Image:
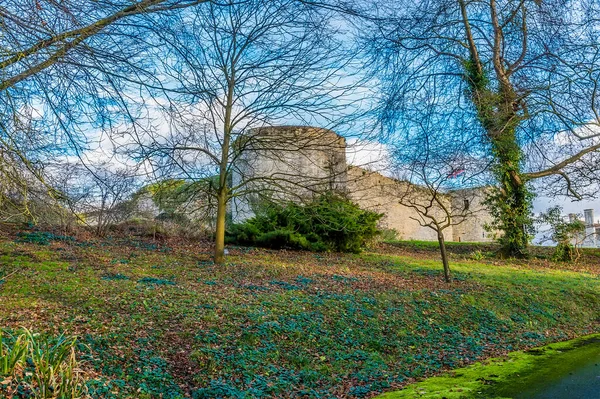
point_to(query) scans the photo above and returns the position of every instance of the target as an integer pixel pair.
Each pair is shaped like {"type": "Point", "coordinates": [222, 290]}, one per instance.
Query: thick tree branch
{"type": "Point", "coordinates": [557, 169]}
{"type": "Point", "coordinates": [77, 36]}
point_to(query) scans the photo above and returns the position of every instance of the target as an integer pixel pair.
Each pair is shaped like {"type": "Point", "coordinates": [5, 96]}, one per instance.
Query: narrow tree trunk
{"type": "Point", "coordinates": [444, 254]}
{"type": "Point", "coordinates": [219, 257]}
{"type": "Point", "coordinates": [222, 193]}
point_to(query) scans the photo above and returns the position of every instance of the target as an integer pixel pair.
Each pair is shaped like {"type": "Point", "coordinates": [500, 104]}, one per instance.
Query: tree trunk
{"type": "Point", "coordinates": [510, 204]}
{"type": "Point", "coordinates": [444, 254]}
{"type": "Point", "coordinates": [222, 193]}
{"type": "Point", "coordinates": [219, 257]}
{"type": "Point", "coordinates": [512, 200]}
{"type": "Point", "coordinates": [514, 204]}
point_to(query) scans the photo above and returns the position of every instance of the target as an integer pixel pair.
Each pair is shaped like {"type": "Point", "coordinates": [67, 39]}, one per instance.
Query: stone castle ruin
{"type": "Point", "coordinates": [592, 230]}
{"type": "Point", "coordinates": [590, 238]}
{"type": "Point", "coordinates": [297, 162]}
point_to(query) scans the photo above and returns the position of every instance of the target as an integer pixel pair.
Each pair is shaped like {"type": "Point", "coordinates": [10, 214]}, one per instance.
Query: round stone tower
{"type": "Point", "coordinates": [286, 163]}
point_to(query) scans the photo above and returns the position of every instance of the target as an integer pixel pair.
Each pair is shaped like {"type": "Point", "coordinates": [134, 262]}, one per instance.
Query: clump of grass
{"type": "Point", "coordinates": [12, 356]}
{"type": "Point", "coordinates": [477, 255]}
{"type": "Point", "coordinates": [45, 368]}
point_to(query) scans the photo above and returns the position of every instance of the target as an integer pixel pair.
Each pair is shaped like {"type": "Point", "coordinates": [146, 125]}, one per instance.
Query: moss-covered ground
{"type": "Point", "coordinates": [519, 373]}
{"type": "Point", "coordinates": [162, 321]}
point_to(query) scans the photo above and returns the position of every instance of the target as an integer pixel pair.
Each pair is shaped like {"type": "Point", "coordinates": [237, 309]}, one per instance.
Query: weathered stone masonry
{"type": "Point", "coordinates": [295, 162]}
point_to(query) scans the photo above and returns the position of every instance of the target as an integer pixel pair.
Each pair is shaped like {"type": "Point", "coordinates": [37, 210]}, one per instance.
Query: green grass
{"type": "Point", "coordinates": [159, 322]}
{"type": "Point", "coordinates": [434, 244]}
{"type": "Point", "coordinates": [498, 377]}
{"type": "Point", "coordinates": [488, 248]}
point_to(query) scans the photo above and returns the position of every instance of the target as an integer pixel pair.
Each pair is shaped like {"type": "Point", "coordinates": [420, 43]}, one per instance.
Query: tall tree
{"type": "Point", "coordinates": [239, 66]}
{"type": "Point", "coordinates": [520, 76]}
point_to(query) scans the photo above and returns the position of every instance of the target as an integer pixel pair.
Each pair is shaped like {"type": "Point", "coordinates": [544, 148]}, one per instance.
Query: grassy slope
{"type": "Point", "coordinates": [165, 321]}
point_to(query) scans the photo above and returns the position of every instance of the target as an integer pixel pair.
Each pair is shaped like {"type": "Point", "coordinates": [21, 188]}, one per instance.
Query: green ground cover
{"type": "Point", "coordinates": [158, 321]}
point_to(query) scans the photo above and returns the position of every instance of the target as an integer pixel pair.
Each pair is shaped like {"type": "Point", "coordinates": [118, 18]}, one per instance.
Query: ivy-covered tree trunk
{"type": "Point", "coordinates": [510, 201]}
{"type": "Point", "coordinates": [500, 110]}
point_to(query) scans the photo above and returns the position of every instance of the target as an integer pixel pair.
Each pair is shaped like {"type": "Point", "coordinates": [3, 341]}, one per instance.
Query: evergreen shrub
{"type": "Point", "coordinates": [330, 222]}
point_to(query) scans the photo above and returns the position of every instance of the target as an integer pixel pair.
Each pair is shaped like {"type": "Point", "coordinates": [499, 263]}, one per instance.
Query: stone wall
{"type": "Point", "coordinates": [297, 162]}
{"type": "Point", "coordinates": [472, 229]}
{"type": "Point", "coordinates": [592, 230]}
{"type": "Point", "coordinates": [287, 163]}
{"type": "Point", "coordinates": [373, 191]}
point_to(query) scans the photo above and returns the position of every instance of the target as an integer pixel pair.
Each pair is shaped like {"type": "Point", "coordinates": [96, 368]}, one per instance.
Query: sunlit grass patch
{"type": "Point", "coordinates": [502, 377]}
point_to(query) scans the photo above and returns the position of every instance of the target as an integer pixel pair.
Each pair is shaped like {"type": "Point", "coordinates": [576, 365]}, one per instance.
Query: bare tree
{"type": "Point", "coordinates": [520, 76]}
{"type": "Point", "coordinates": [99, 195]}
{"type": "Point", "coordinates": [67, 71]}
{"type": "Point", "coordinates": [22, 197]}
{"type": "Point", "coordinates": [437, 179]}
{"type": "Point", "coordinates": [241, 66]}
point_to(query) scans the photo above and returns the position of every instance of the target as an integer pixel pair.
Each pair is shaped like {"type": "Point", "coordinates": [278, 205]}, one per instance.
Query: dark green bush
{"type": "Point", "coordinates": [329, 223]}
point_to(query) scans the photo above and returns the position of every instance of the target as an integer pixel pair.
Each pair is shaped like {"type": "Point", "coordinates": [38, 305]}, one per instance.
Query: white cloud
{"type": "Point", "coordinates": [370, 155]}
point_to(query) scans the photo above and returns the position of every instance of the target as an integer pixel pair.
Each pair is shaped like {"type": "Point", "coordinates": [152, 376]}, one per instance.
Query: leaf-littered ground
{"type": "Point", "coordinates": [162, 321]}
